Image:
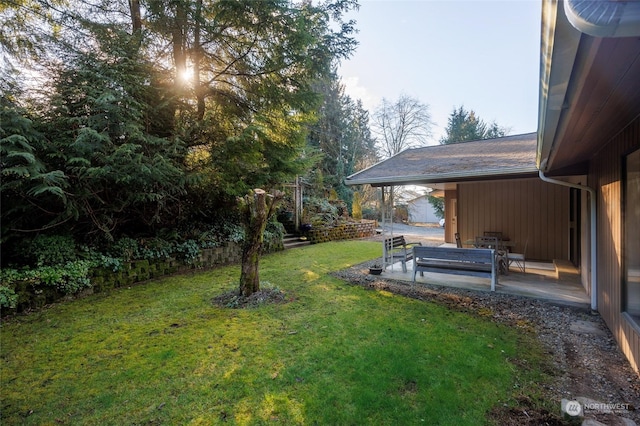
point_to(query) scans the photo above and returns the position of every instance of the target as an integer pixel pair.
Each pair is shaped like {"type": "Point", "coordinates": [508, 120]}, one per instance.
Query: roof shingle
{"type": "Point", "coordinates": [501, 157]}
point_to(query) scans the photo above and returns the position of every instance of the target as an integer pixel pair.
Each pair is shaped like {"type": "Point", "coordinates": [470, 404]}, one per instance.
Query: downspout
{"type": "Point", "coordinates": [592, 196]}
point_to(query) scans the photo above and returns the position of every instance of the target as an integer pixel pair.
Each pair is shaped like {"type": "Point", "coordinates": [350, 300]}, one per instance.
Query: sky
{"type": "Point", "coordinates": [480, 54]}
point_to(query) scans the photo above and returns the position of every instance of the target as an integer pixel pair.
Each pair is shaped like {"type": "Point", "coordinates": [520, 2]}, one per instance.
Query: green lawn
{"type": "Point", "coordinates": [161, 353]}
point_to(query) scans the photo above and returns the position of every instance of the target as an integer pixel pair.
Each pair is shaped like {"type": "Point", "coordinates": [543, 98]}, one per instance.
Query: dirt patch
{"type": "Point", "coordinates": [232, 299]}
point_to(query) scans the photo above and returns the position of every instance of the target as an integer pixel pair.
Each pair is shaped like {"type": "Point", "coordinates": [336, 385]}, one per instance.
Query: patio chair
{"type": "Point", "coordinates": [486, 242]}
{"type": "Point", "coordinates": [501, 255]}
{"type": "Point", "coordinates": [519, 258]}
{"type": "Point", "coordinates": [498, 235]}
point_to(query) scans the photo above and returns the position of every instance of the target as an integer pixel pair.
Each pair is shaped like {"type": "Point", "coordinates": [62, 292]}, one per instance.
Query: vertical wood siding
{"type": "Point", "coordinates": [524, 209]}
{"type": "Point", "coordinates": [606, 178]}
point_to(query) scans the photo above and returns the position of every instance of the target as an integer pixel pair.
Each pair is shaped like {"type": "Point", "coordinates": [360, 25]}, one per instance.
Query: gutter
{"type": "Point", "coordinates": [440, 177]}
{"type": "Point", "coordinates": [604, 18]}
{"type": "Point", "coordinates": [594, 265]}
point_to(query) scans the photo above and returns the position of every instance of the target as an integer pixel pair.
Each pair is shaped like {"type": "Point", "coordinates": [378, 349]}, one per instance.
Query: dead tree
{"type": "Point", "coordinates": [256, 208]}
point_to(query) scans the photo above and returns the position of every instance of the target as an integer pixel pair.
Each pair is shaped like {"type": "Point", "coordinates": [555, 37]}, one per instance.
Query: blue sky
{"type": "Point", "coordinates": [482, 54]}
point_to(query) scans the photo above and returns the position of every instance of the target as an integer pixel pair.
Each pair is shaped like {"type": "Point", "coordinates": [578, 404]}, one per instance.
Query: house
{"type": "Point", "coordinates": [421, 211]}
{"type": "Point", "coordinates": [589, 133]}
{"type": "Point", "coordinates": [488, 185]}
{"type": "Point", "coordinates": [570, 191]}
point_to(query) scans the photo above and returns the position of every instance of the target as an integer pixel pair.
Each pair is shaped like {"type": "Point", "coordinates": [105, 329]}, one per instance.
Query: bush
{"type": "Point", "coordinates": [187, 251]}
{"type": "Point", "coordinates": [125, 248]}
{"type": "Point", "coordinates": [356, 212]}
{"type": "Point", "coordinates": [273, 235]}
{"type": "Point", "coordinates": [48, 250]}
{"type": "Point", "coordinates": [68, 278]}
{"type": "Point", "coordinates": [319, 211]}
{"type": "Point", "coordinates": [438, 205]}
{"type": "Point", "coordinates": [8, 298]}
{"type": "Point", "coordinates": [101, 260]}
{"type": "Point", "coordinates": [370, 213]}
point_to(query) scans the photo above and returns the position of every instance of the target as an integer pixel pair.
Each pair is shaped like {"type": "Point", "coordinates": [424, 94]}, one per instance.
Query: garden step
{"type": "Point", "coordinates": [292, 241]}
{"type": "Point", "coordinates": [566, 271]}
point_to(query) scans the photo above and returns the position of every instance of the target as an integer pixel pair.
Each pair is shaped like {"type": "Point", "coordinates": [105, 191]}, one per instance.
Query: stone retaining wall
{"type": "Point", "coordinates": [35, 296]}
{"type": "Point", "coordinates": [346, 231]}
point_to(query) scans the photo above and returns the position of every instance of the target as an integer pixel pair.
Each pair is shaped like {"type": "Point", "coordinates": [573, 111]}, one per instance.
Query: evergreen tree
{"type": "Point", "coordinates": [250, 99]}
{"type": "Point", "coordinates": [138, 145]}
{"type": "Point", "coordinates": [464, 126]}
{"type": "Point", "coordinates": [32, 195]}
{"type": "Point", "coordinates": [342, 135]}
{"type": "Point", "coordinates": [102, 126]}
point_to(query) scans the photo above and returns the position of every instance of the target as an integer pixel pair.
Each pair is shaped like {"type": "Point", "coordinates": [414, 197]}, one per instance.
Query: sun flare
{"type": "Point", "coordinates": [186, 75]}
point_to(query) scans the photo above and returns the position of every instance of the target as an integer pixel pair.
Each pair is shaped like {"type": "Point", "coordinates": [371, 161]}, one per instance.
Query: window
{"type": "Point", "coordinates": [632, 234]}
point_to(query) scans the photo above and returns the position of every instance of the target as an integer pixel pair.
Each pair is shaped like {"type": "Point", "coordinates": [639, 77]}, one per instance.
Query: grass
{"type": "Point", "coordinates": [161, 353]}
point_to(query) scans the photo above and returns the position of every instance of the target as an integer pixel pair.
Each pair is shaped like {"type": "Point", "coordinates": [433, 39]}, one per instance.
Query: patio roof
{"type": "Point", "coordinates": [505, 157]}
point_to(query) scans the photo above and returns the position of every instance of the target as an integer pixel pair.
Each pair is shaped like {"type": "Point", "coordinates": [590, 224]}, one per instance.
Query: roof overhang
{"type": "Point", "coordinates": [589, 85]}
{"type": "Point", "coordinates": [451, 177]}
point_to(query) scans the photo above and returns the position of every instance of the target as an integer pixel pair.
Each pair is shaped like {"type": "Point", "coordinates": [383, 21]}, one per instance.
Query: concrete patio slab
{"type": "Point", "coordinates": [540, 282]}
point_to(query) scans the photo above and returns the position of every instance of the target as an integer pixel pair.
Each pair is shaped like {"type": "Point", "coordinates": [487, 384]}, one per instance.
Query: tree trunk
{"type": "Point", "coordinates": [179, 44]}
{"type": "Point", "coordinates": [256, 207]}
{"type": "Point", "coordinates": [197, 57]}
{"type": "Point", "coordinates": [136, 17]}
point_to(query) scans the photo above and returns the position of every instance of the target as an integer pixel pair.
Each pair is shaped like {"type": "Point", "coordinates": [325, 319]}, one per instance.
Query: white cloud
{"type": "Point", "coordinates": [353, 88]}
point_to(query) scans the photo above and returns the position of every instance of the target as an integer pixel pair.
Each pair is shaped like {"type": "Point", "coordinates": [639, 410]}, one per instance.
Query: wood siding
{"type": "Point", "coordinates": [606, 178]}
{"type": "Point", "coordinates": [524, 210]}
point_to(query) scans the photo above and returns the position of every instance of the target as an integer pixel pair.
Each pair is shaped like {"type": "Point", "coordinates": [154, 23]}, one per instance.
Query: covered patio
{"type": "Point", "coordinates": [492, 187]}
{"type": "Point", "coordinates": [557, 282]}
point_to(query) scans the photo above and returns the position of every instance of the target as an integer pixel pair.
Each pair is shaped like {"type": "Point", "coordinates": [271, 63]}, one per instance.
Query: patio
{"type": "Point", "coordinates": [541, 281]}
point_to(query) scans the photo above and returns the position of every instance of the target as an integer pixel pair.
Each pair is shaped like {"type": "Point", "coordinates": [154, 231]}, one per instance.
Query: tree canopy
{"type": "Point", "coordinates": [341, 135]}
{"type": "Point", "coordinates": [464, 125]}
{"type": "Point", "coordinates": [132, 116]}
{"type": "Point", "coordinates": [401, 124]}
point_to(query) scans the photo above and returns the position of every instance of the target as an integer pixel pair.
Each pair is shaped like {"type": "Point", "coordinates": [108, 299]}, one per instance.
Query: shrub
{"type": "Point", "coordinates": [438, 205]}
{"type": "Point", "coordinates": [321, 212]}
{"type": "Point", "coordinates": [356, 212]}
{"type": "Point", "coordinates": [187, 251]}
{"type": "Point", "coordinates": [48, 250]}
{"type": "Point", "coordinates": [101, 260]}
{"type": "Point", "coordinates": [8, 297]}
{"type": "Point", "coordinates": [68, 278]}
{"type": "Point", "coordinates": [370, 213]}
{"type": "Point", "coordinates": [125, 248]}
{"type": "Point", "coordinates": [154, 249]}
{"type": "Point", "coordinates": [273, 235]}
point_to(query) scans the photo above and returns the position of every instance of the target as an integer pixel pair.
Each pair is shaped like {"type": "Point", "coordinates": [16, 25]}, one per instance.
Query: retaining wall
{"type": "Point", "coordinates": [346, 231]}
{"type": "Point", "coordinates": [36, 295]}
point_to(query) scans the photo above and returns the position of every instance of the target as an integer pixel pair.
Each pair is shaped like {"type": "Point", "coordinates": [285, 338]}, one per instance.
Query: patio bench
{"type": "Point", "coordinates": [397, 249]}
{"type": "Point", "coordinates": [458, 261]}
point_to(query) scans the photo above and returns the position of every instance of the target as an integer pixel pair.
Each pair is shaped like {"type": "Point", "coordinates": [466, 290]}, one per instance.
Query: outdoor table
{"type": "Point", "coordinates": [502, 243]}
